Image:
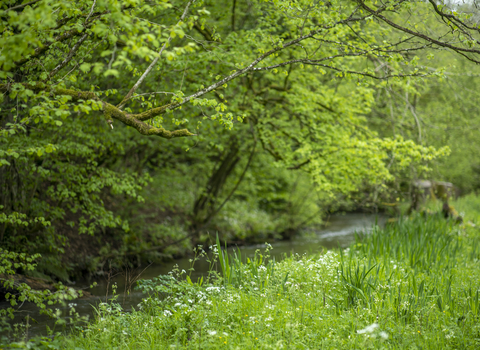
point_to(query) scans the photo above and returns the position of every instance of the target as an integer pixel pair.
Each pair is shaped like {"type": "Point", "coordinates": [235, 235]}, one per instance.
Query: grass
{"type": "Point", "coordinates": [411, 285]}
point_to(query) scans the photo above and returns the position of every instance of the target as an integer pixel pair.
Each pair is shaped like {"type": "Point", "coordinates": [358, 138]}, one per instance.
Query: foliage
{"type": "Point", "coordinates": [16, 293]}
{"type": "Point", "coordinates": [267, 88]}
{"type": "Point", "coordinates": [437, 112]}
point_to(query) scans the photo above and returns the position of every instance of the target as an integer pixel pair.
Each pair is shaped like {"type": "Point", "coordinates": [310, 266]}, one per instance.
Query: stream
{"type": "Point", "coordinates": [339, 232]}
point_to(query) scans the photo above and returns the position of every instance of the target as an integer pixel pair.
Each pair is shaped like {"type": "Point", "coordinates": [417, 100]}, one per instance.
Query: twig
{"type": "Point", "coordinates": [154, 62]}
{"type": "Point", "coordinates": [91, 11]}
{"type": "Point", "coordinates": [69, 57]}
{"type": "Point", "coordinates": [457, 49]}
{"type": "Point", "coordinates": [22, 5]}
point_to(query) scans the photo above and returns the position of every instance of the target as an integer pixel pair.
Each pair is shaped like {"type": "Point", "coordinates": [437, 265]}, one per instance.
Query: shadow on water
{"type": "Point", "coordinates": [340, 232]}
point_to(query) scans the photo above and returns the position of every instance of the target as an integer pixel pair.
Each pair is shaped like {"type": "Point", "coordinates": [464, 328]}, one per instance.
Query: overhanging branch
{"type": "Point", "coordinates": [110, 111]}
{"type": "Point", "coordinates": [154, 62]}
{"type": "Point", "coordinates": [461, 50]}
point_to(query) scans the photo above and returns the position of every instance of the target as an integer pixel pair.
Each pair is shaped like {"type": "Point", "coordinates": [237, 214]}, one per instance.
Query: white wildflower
{"type": "Point", "coordinates": [167, 313]}
{"type": "Point", "coordinates": [368, 329]}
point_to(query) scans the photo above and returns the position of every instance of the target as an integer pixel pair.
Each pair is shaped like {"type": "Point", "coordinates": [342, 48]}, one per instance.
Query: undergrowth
{"type": "Point", "coordinates": [411, 285]}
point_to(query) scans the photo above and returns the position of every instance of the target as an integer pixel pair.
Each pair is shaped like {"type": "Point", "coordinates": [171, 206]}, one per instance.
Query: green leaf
{"type": "Point", "coordinates": [113, 72]}
{"type": "Point", "coordinates": [85, 67]}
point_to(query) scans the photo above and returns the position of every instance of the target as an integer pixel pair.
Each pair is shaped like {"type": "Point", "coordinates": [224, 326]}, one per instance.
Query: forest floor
{"type": "Point", "coordinates": [413, 284]}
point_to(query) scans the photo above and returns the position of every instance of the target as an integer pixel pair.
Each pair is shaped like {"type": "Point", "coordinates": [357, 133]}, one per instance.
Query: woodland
{"type": "Point", "coordinates": [132, 131]}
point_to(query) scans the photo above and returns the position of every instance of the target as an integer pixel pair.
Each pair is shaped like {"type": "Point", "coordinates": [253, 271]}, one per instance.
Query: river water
{"type": "Point", "coordinates": [339, 232]}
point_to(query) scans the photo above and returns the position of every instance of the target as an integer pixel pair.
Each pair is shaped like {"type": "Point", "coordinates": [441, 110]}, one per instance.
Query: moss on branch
{"type": "Point", "coordinates": [152, 113]}
{"type": "Point", "coordinates": [76, 95]}
{"type": "Point", "coordinates": [111, 112]}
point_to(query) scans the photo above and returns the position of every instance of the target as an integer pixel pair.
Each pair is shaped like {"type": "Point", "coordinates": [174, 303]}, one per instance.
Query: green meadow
{"type": "Point", "coordinates": [413, 284]}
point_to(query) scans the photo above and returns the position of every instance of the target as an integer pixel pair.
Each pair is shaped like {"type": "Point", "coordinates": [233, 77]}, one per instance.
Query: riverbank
{"type": "Point", "coordinates": [340, 232]}
{"type": "Point", "coordinates": [413, 284]}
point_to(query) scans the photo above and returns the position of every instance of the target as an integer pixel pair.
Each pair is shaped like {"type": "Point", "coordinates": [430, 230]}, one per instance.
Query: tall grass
{"type": "Point", "coordinates": [235, 272]}
{"type": "Point", "coordinates": [428, 254]}
{"type": "Point", "coordinates": [411, 285]}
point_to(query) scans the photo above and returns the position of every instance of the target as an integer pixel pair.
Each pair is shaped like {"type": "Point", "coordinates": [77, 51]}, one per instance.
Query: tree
{"type": "Point", "coordinates": [26, 39]}
{"type": "Point", "coordinates": [293, 79]}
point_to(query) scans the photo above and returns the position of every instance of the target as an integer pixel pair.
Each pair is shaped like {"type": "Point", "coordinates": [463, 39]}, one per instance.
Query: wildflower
{"type": "Point", "coordinates": [368, 329]}
{"type": "Point", "coordinates": [384, 335]}
{"type": "Point", "coordinates": [212, 332]}
{"type": "Point", "coordinates": [167, 313]}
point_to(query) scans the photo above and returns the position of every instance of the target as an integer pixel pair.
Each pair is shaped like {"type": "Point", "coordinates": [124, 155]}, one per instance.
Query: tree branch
{"type": "Point", "coordinates": [109, 110]}
{"type": "Point", "coordinates": [452, 18]}
{"type": "Point", "coordinates": [250, 67]}
{"type": "Point", "coordinates": [69, 57]}
{"type": "Point", "coordinates": [22, 5]}
{"type": "Point", "coordinates": [458, 49]}
{"type": "Point", "coordinates": [205, 32]}
{"type": "Point", "coordinates": [365, 74]}
{"type": "Point", "coordinates": [154, 62]}
{"type": "Point", "coordinates": [60, 38]}
{"type": "Point", "coordinates": [91, 11]}
{"type": "Point", "coordinates": [298, 166]}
